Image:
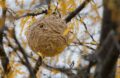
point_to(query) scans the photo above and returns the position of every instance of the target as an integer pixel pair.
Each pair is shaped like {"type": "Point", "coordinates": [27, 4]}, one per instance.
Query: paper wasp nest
{"type": "Point", "coordinates": [46, 36]}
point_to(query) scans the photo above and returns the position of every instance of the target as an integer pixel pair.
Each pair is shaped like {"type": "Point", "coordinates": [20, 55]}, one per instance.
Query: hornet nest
{"type": "Point", "coordinates": [46, 36]}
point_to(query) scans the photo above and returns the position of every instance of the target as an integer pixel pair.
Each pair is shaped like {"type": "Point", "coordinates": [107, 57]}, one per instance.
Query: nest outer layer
{"type": "Point", "coordinates": [46, 36]}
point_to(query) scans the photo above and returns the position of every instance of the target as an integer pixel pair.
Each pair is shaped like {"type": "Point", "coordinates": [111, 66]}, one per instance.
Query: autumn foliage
{"type": "Point", "coordinates": [80, 36]}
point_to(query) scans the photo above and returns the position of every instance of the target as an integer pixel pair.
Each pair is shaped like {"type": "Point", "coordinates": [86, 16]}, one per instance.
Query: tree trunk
{"type": "Point", "coordinates": [108, 52]}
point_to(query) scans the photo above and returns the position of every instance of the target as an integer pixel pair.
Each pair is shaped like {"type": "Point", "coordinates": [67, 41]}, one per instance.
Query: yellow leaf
{"type": "Point", "coordinates": [72, 36]}
{"type": "Point", "coordinates": [10, 34]}
{"type": "Point", "coordinates": [24, 43]}
{"type": "Point", "coordinates": [17, 64]}
{"type": "Point", "coordinates": [93, 42]}
{"type": "Point", "coordinates": [62, 7]}
{"type": "Point", "coordinates": [118, 69]}
{"type": "Point", "coordinates": [33, 19]}
{"type": "Point", "coordinates": [95, 8]}
{"type": "Point", "coordinates": [66, 31]}
{"type": "Point", "coordinates": [19, 72]}
{"type": "Point", "coordinates": [23, 21]}
{"type": "Point", "coordinates": [1, 22]}
{"type": "Point", "coordinates": [21, 12]}
{"type": "Point", "coordinates": [2, 3]}
{"type": "Point", "coordinates": [55, 71]}
{"type": "Point", "coordinates": [72, 5]}
{"type": "Point", "coordinates": [11, 74]}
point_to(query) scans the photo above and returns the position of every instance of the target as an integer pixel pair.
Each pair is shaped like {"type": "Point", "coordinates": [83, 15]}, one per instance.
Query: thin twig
{"type": "Point", "coordinates": [80, 43]}
{"type": "Point", "coordinates": [32, 14]}
{"type": "Point", "coordinates": [76, 11]}
{"type": "Point", "coordinates": [25, 15]}
{"type": "Point", "coordinates": [85, 26]}
{"type": "Point", "coordinates": [38, 64]}
{"type": "Point", "coordinates": [27, 63]}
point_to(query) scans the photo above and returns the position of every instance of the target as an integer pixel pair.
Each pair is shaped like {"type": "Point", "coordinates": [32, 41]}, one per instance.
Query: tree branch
{"type": "Point", "coordinates": [108, 52]}
{"type": "Point", "coordinates": [38, 64]}
{"type": "Point", "coordinates": [3, 56]}
{"type": "Point", "coordinates": [76, 11]}
{"type": "Point", "coordinates": [27, 63]}
{"type": "Point", "coordinates": [32, 14]}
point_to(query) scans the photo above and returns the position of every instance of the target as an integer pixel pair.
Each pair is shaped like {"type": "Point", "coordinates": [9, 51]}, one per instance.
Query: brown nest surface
{"type": "Point", "coordinates": [46, 36]}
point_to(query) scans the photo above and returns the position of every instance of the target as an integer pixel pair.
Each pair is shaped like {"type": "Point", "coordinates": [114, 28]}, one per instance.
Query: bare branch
{"type": "Point", "coordinates": [3, 56]}
{"type": "Point", "coordinates": [76, 11]}
{"type": "Point", "coordinates": [38, 64]}
{"type": "Point", "coordinates": [32, 14]}
{"type": "Point", "coordinates": [85, 26]}
{"type": "Point", "coordinates": [25, 15]}
{"type": "Point", "coordinates": [27, 63]}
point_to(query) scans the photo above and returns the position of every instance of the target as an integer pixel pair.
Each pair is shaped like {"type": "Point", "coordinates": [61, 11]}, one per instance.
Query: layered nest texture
{"type": "Point", "coordinates": [46, 36]}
